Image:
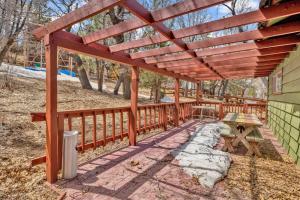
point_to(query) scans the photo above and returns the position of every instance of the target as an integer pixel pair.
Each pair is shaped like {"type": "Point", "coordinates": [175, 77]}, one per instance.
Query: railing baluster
{"type": "Point", "coordinates": [82, 131]}
{"type": "Point", "coordinates": [139, 120]}
{"type": "Point", "coordinates": [145, 119]}
{"type": "Point", "coordinates": [154, 117]}
{"type": "Point", "coordinates": [70, 122]}
{"type": "Point", "coordinates": [60, 127]}
{"type": "Point", "coordinates": [159, 116]}
{"type": "Point", "coordinates": [128, 123]}
{"type": "Point", "coordinates": [150, 118]}
{"type": "Point", "coordinates": [165, 117]}
{"type": "Point", "coordinates": [104, 128]}
{"type": "Point", "coordinates": [94, 129]}
{"type": "Point", "coordinates": [113, 126]}
{"type": "Point", "coordinates": [121, 124]}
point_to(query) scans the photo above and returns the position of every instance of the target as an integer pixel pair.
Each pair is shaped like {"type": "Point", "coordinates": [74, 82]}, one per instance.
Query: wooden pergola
{"type": "Point", "coordinates": [248, 54]}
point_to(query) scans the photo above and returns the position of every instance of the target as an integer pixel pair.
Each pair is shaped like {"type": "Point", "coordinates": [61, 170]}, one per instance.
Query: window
{"type": "Point", "coordinates": [277, 82]}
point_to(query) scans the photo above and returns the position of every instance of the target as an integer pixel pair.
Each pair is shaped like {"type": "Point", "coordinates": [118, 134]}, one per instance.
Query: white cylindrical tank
{"type": "Point", "coordinates": [69, 162]}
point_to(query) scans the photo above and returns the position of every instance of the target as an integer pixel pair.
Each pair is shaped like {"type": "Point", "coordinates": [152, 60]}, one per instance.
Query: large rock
{"type": "Point", "coordinates": [198, 158]}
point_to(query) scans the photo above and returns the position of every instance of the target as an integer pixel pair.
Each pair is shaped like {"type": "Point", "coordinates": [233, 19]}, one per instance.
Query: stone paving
{"type": "Point", "coordinates": [146, 171]}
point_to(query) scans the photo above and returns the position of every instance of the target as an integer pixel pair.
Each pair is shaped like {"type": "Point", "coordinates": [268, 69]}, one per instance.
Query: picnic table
{"type": "Point", "coordinates": [242, 125]}
{"type": "Point", "coordinates": [209, 108]}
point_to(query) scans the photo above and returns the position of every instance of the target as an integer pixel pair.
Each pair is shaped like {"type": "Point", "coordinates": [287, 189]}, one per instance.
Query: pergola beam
{"type": "Point", "coordinates": [90, 9]}
{"type": "Point", "coordinates": [74, 43]}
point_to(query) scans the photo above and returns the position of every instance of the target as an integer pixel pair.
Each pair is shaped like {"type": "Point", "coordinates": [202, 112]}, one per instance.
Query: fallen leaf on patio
{"type": "Point", "coordinates": [134, 163]}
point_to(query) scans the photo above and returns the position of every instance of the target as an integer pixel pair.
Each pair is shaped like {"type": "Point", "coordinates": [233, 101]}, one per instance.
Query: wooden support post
{"type": "Point", "coordinates": [177, 102]}
{"type": "Point", "coordinates": [41, 56]}
{"type": "Point", "coordinates": [133, 111]}
{"type": "Point", "coordinates": [198, 91]}
{"type": "Point", "coordinates": [165, 117]}
{"type": "Point", "coordinates": [221, 111]}
{"type": "Point", "coordinates": [51, 109]}
{"type": "Point", "coordinates": [245, 108]}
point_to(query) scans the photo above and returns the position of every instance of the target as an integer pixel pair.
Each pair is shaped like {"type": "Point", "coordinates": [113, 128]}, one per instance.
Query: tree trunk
{"type": "Point", "coordinates": [213, 85]}
{"type": "Point", "coordinates": [186, 90]}
{"type": "Point", "coordinates": [151, 92]}
{"type": "Point", "coordinates": [157, 91]}
{"type": "Point", "coordinates": [124, 76]}
{"type": "Point", "coordinates": [126, 86]}
{"type": "Point", "coordinates": [220, 88]}
{"type": "Point", "coordinates": [119, 81]}
{"type": "Point", "coordinates": [100, 74]}
{"type": "Point", "coordinates": [5, 48]}
{"type": "Point", "coordinates": [85, 83]}
{"type": "Point", "coordinates": [225, 85]}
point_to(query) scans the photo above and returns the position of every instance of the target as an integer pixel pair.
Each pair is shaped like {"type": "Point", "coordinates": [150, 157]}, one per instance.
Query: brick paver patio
{"type": "Point", "coordinates": [146, 171]}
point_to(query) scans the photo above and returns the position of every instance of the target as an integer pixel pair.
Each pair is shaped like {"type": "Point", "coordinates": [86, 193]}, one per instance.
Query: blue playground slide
{"type": "Point", "coordinates": [60, 71]}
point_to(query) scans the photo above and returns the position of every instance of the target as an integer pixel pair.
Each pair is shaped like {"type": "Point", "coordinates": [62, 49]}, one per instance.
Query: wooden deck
{"type": "Point", "coordinates": [146, 171]}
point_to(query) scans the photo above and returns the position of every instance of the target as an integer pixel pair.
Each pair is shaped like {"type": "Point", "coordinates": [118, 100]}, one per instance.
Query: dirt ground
{"type": "Point", "coordinates": [22, 140]}
{"type": "Point", "coordinates": [271, 177]}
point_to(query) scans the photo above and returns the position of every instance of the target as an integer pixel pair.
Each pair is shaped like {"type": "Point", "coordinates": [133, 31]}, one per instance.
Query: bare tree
{"type": "Point", "coordinates": [14, 15]}
{"type": "Point", "coordinates": [100, 65]}
{"type": "Point", "coordinates": [235, 7]}
{"type": "Point", "coordinates": [57, 8]}
{"type": "Point", "coordinates": [118, 15]}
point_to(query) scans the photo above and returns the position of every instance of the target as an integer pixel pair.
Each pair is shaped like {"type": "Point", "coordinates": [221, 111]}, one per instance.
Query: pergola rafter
{"type": "Point", "coordinates": [232, 56]}
{"type": "Point", "coordinates": [138, 10]}
{"type": "Point", "coordinates": [259, 45]}
{"type": "Point", "coordinates": [281, 10]}
{"type": "Point", "coordinates": [157, 16]}
{"type": "Point", "coordinates": [206, 58]}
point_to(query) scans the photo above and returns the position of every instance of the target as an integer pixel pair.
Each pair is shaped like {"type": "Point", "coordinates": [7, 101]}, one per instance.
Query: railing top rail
{"type": "Point", "coordinates": [40, 116]}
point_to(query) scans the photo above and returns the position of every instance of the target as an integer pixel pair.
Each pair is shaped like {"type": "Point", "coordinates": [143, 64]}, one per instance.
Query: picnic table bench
{"type": "Point", "coordinates": [244, 128]}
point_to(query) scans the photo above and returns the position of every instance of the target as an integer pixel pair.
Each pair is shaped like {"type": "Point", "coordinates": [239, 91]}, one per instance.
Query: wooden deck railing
{"type": "Point", "coordinates": [97, 127]}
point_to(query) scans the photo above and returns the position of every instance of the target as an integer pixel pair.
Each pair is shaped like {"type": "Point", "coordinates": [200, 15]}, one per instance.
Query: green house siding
{"type": "Point", "coordinates": [284, 108]}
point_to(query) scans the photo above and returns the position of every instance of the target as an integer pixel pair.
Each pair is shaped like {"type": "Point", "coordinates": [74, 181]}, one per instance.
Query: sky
{"type": "Point", "coordinates": [213, 13]}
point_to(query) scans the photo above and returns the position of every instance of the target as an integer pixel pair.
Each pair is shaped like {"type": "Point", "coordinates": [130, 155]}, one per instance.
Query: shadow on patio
{"type": "Point", "coordinates": [147, 171]}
